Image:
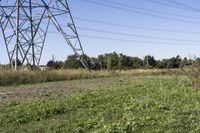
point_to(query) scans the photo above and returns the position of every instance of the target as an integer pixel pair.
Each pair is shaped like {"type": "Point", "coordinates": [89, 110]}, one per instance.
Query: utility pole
{"type": "Point", "coordinates": [148, 61]}
{"type": "Point", "coordinates": [53, 59]}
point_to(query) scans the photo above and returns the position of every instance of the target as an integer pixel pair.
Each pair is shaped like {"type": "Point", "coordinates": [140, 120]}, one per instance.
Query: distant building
{"type": "Point", "coordinates": [43, 67]}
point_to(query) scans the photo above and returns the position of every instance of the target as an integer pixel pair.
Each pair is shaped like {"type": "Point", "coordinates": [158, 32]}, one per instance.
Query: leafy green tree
{"type": "Point", "coordinates": [171, 63]}
{"type": "Point", "coordinates": [122, 64]}
{"type": "Point", "coordinates": [174, 62]}
{"type": "Point", "coordinates": [149, 61]}
{"type": "Point", "coordinates": [162, 63]}
{"type": "Point", "coordinates": [72, 62]}
{"type": "Point", "coordinates": [58, 65]}
{"type": "Point", "coordinates": [197, 60]}
{"type": "Point", "coordinates": [125, 62]}
{"type": "Point", "coordinates": [50, 64]}
{"type": "Point", "coordinates": [19, 63]}
{"type": "Point", "coordinates": [87, 61]}
{"type": "Point", "coordinates": [137, 62]}
{"type": "Point", "coordinates": [112, 61]}
{"type": "Point", "coordinates": [185, 62]}
{"type": "Point", "coordinates": [95, 65]}
{"type": "Point", "coordinates": [178, 61]}
{"type": "Point", "coordinates": [55, 64]}
{"type": "Point", "coordinates": [102, 62]}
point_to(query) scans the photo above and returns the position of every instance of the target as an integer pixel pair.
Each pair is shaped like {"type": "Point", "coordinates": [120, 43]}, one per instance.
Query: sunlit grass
{"type": "Point", "coordinates": [8, 78]}
{"type": "Point", "coordinates": [125, 104]}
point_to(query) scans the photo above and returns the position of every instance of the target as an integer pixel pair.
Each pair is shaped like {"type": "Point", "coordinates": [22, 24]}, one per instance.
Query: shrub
{"type": "Point", "coordinates": [193, 73]}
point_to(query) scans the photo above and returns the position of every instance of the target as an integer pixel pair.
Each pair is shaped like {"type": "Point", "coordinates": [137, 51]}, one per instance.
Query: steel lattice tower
{"type": "Point", "coordinates": [25, 24]}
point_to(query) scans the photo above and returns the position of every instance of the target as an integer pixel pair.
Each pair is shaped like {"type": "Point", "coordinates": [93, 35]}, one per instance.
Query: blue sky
{"type": "Point", "coordinates": [55, 44]}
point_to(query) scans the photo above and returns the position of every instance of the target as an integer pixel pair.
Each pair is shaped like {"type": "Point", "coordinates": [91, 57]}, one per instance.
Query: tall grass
{"type": "Point", "coordinates": [8, 78]}
{"type": "Point", "coordinates": [193, 73]}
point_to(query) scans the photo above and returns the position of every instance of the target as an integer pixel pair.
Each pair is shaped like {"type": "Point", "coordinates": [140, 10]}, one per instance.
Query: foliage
{"type": "Point", "coordinates": [174, 62]}
{"type": "Point", "coordinates": [55, 64]}
{"type": "Point", "coordinates": [193, 72]}
{"type": "Point", "coordinates": [114, 61]}
{"type": "Point", "coordinates": [125, 62]}
{"type": "Point", "coordinates": [19, 63]}
{"type": "Point", "coordinates": [137, 62]}
{"type": "Point", "coordinates": [102, 62]}
{"type": "Point", "coordinates": [186, 62]}
{"type": "Point", "coordinates": [162, 64]}
{"type": "Point", "coordinates": [149, 61]}
{"type": "Point", "coordinates": [95, 65]}
{"type": "Point", "coordinates": [72, 62]}
{"type": "Point", "coordinates": [50, 64]}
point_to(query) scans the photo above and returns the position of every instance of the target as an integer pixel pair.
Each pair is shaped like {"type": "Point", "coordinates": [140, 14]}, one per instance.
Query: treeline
{"type": "Point", "coordinates": [114, 61]}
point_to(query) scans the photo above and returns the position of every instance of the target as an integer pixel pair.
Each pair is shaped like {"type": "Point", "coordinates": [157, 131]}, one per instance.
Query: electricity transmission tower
{"type": "Point", "coordinates": [25, 24]}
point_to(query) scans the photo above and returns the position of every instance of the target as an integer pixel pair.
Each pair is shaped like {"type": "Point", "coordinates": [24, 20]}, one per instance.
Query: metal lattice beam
{"type": "Point", "coordinates": [25, 24]}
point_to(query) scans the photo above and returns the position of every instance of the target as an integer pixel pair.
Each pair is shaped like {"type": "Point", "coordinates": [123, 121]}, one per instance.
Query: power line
{"type": "Point", "coordinates": [184, 6]}
{"type": "Point", "coordinates": [171, 5]}
{"type": "Point", "coordinates": [134, 27]}
{"type": "Point", "coordinates": [139, 12]}
{"type": "Point", "coordinates": [136, 41]}
{"type": "Point", "coordinates": [148, 10]}
{"type": "Point", "coordinates": [137, 35]}
{"type": "Point", "coordinates": [132, 41]}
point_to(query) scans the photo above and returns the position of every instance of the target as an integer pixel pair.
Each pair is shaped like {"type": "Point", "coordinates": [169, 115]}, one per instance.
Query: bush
{"type": "Point", "coordinates": [193, 73]}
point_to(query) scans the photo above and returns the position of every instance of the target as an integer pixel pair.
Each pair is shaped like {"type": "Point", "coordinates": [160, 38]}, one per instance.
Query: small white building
{"type": "Point", "coordinates": [43, 67]}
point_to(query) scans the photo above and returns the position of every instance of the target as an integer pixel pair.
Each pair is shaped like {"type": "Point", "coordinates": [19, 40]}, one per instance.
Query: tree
{"type": "Point", "coordinates": [161, 63]}
{"type": "Point", "coordinates": [19, 63]}
{"type": "Point", "coordinates": [178, 61]}
{"type": "Point", "coordinates": [137, 62]}
{"type": "Point", "coordinates": [95, 65]}
{"type": "Point", "coordinates": [72, 62]}
{"type": "Point", "coordinates": [149, 61]}
{"type": "Point", "coordinates": [125, 62]}
{"type": "Point", "coordinates": [185, 62]}
{"type": "Point", "coordinates": [50, 64]}
{"type": "Point", "coordinates": [87, 61]}
{"type": "Point", "coordinates": [112, 61]}
{"type": "Point", "coordinates": [58, 65]}
{"type": "Point", "coordinates": [174, 62]}
{"type": "Point", "coordinates": [102, 62]}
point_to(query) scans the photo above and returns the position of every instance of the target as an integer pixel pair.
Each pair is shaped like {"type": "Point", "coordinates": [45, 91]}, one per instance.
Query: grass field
{"type": "Point", "coordinates": [126, 103]}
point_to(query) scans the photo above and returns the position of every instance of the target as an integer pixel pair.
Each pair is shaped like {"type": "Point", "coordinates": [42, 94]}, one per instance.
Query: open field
{"type": "Point", "coordinates": [126, 103]}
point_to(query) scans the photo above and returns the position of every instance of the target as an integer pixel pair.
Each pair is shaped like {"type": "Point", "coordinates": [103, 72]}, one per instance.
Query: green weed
{"type": "Point", "coordinates": [143, 104]}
